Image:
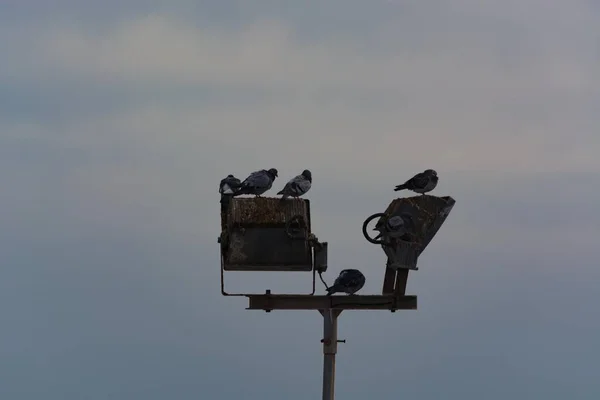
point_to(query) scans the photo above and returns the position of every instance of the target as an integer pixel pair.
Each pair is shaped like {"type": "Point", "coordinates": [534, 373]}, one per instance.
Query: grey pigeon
{"type": "Point", "coordinates": [349, 281]}
{"type": "Point", "coordinates": [228, 187]}
{"type": "Point", "coordinates": [422, 182]}
{"type": "Point", "coordinates": [258, 182]}
{"type": "Point", "coordinates": [297, 186]}
{"type": "Point", "coordinates": [398, 226]}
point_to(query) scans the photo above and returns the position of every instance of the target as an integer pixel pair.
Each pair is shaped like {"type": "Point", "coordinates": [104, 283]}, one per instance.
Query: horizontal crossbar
{"type": "Point", "coordinates": [269, 302]}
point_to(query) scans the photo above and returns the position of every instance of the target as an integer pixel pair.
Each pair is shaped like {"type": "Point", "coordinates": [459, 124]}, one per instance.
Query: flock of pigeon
{"type": "Point", "coordinates": [260, 181]}
{"type": "Point", "coordinates": [257, 183]}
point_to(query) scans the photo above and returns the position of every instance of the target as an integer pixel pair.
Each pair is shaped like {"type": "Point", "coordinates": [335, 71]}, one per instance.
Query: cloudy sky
{"type": "Point", "coordinates": [118, 118]}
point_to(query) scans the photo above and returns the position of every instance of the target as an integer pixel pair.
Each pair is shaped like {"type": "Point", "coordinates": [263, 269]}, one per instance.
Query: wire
{"type": "Point", "coordinates": [322, 280]}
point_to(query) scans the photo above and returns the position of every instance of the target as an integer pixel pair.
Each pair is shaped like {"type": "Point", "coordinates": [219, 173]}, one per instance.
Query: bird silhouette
{"type": "Point", "coordinates": [422, 182]}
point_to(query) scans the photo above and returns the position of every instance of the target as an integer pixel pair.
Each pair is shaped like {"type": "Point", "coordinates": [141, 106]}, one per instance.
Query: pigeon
{"type": "Point", "coordinates": [258, 182]}
{"type": "Point", "coordinates": [297, 186]}
{"type": "Point", "coordinates": [422, 182]}
{"type": "Point", "coordinates": [349, 281]}
{"type": "Point", "coordinates": [397, 226]}
{"type": "Point", "coordinates": [228, 187]}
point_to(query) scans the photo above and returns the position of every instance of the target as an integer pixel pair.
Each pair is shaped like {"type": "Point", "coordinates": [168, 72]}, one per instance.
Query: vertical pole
{"type": "Point", "coordinates": [330, 342]}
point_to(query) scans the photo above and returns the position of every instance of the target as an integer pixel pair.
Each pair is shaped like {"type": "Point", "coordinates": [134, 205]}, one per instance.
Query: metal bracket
{"type": "Point", "coordinates": [376, 239]}
{"type": "Point", "coordinates": [393, 245]}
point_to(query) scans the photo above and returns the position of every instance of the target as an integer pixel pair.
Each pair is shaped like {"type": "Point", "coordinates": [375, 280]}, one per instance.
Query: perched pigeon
{"type": "Point", "coordinates": [228, 187]}
{"type": "Point", "coordinates": [349, 281]}
{"type": "Point", "coordinates": [422, 182]}
{"type": "Point", "coordinates": [258, 182]}
{"type": "Point", "coordinates": [297, 186]}
{"type": "Point", "coordinates": [397, 226]}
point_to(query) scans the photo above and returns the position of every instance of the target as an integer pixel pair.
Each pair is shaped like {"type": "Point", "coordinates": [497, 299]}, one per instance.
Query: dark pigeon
{"type": "Point", "coordinates": [349, 281]}
{"type": "Point", "coordinates": [297, 186]}
{"type": "Point", "coordinates": [398, 226]}
{"type": "Point", "coordinates": [258, 182]}
{"type": "Point", "coordinates": [228, 188]}
{"type": "Point", "coordinates": [422, 183]}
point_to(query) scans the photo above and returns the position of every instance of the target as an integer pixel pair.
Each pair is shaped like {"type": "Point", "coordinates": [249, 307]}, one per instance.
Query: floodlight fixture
{"type": "Point", "coordinates": [271, 234]}
{"type": "Point", "coordinates": [405, 229]}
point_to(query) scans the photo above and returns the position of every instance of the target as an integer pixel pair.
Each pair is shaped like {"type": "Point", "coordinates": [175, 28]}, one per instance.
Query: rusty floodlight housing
{"type": "Point", "coordinates": [269, 234]}
{"type": "Point", "coordinates": [407, 226]}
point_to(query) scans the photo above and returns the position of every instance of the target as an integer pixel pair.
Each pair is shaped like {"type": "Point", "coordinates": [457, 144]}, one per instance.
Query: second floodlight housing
{"type": "Point", "coordinates": [407, 226]}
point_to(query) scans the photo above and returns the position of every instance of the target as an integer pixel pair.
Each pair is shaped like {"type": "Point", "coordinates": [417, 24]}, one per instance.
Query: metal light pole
{"type": "Point", "coordinates": [330, 342]}
{"type": "Point", "coordinates": [330, 308]}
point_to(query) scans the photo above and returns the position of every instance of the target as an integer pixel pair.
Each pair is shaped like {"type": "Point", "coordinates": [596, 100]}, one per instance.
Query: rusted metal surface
{"type": "Point", "coordinates": [265, 211]}
{"type": "Point", "coordinates": [266, 249]}
{"type": "Point", "coordinates": [355, 302]}
{"type": "Point", "coordinates": [428, 213]}
{"type": "Point", "coordinates": [256, 235]}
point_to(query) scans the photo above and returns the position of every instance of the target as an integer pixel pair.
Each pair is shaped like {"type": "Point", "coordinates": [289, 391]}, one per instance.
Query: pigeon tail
{"type": "Point", "coordinates": [285, 195]}
{"type": "Point", "coordinates": [331, 290]}
{"type": "Point", "coordinates": [400, 187]}
{"type": "Point", "coordinates": [242, 190]}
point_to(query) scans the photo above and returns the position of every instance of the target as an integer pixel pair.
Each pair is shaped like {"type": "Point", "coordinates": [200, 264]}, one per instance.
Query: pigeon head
{"type": "Point", "coordinates": [230, 176]}
{"type": "Point", "coordinates": [273, 172]}
{"type": "Point", "coordinates": [307, 174]}
{"type": "Point", "coordinates": [431, 172]}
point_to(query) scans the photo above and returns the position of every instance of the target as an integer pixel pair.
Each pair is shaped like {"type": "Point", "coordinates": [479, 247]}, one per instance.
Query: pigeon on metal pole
{"type": "Point", "coordinates": [422, 182]}
{"type": "Point", "coordinates": [349, 281]}
{"type": "Point", "coordinates": [228, 187]}
{"type": "Point", "coordinates": [258, 182]}
{"type": "Point", "coordinates": [297, 186]}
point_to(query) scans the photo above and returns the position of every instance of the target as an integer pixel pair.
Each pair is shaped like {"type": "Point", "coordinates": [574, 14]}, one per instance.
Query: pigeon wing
{"type": "Point", "coordinates": [258, 179]}
{"type": "Point", "coordinates": [296, 186]}
{"type": "Point", "coordinates": [340, 280]}
{"type": "Point", "coordinates": [344, 278]}
{"type": "Point", "coordinates": [350, 279]}
{"type": "Point", "coordinates": [301, 186]}
{"type": "Point", "coordinates": [420, 180]}
{"type": "Point", "coordinates": [353, 281]}
{"type": "Point", "coordinates": [287, 189]}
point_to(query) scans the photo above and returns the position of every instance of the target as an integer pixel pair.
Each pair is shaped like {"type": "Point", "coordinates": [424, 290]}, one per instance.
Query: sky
{"type": "Point", "coordinates": [119, 118]}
